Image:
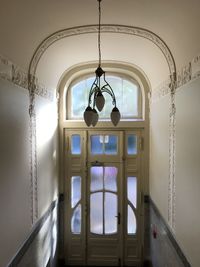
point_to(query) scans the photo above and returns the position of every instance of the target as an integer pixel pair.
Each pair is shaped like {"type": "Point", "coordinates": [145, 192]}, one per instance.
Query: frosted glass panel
{"type": "Point", "coordinates": [75, 190]}
{"type": "Point", "coordinates": [76, 144]}
{"type": "Point", "coordinates": [132, 144]}
{"type": "Point", "coordinates": [96, 213]}
{"type": "Point", "coordinates": [110, 178]}
{"type": "Point", "coordinates": [76, 220]}
{"type": "Point", "coordinates": [132, 190]}
{"type": "Point", "coordinates": [110, 213]}
{"type": "Point", "coordinates": [110, 144]}
{"type": "Point", "coordinates": [96, 178]}
{"type": "Point", "coordinates": [131, 221]}
{"type": "Point", "coordinates": [96, 145]}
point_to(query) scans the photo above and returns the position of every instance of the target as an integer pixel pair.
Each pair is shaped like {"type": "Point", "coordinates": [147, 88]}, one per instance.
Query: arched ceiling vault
{"type": "Point", "coordinates": [133, 45]}
{"type": "Point", "coordinates": [25, 24]}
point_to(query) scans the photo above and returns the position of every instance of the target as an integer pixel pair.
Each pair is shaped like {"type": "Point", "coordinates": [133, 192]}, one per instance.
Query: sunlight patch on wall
{"type": "Point", "coordinates": [46, 123]}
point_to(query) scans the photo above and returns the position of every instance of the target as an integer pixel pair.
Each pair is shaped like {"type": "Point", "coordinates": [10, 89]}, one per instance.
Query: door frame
{"type": "Point", "coordinates": [67, 200]}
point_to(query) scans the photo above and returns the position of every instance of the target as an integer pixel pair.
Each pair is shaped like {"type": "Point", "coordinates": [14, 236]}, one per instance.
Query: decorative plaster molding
{"type": "Point", "coordinates": [121, 29]}
{"type": "Point", "coordinates": [162, 90]}
{"type": "Point", "coordinates": [172, 160]}
{"type": "Point", "coordinates": [33, 150]}
{"type": "Point", "coordinates": [19, 77]}
{"type": "Point", "coordinates": [5, 69]}
{"type": "Point", "coordinates": [43, 91]}
{"type": "Point", "coordinates": [13, 73]}
{"type": "Point", "coordinates": [186, 74]}
{"type": "Point", "coordinates": [195, 67]}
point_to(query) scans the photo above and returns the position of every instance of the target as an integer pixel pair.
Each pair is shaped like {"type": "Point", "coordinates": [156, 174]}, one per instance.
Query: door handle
{"type": "Point", "coordinates": [118, 218]}
{"type": "Point", "coordinates": [97, 163]}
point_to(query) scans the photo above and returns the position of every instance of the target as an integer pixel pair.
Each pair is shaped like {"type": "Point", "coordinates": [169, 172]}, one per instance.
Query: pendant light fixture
{"type": "Point", "coordinates": [96, 99]}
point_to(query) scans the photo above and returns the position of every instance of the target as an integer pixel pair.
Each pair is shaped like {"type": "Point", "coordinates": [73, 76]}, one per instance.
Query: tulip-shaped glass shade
{"type": "Point", "coordinates": [115, 116]}
{"type": "Point", "coordinates": [95, 117]}
{"type": "Point", "coordinates": [88, 116]}
{"type": "Point", "coordinates": [100, 101]}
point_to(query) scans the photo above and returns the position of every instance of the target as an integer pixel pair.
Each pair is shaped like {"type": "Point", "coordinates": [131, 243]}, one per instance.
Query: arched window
{"type": "Point", "coordinates": [127, 92]}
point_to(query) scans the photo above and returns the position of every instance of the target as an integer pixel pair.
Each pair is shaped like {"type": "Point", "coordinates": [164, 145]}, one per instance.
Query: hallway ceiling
{"type": "Point", "coordinates": [24, 24]}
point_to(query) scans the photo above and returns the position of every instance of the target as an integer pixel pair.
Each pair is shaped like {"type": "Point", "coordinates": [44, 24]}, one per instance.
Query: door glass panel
{"type": "Point", "coordinates": [110, 213]}
{"type": "Point", "coordinates": [96, 213]}
{"type": "Point", "coordinates": [132, 144]}
{"type": "Point", "coordinates": [104, 144]}
{"type": "Point", "coordinates": [75, 190]}
{"type": "Point", "coordinates": [131, 222]}
{"type": "Point", "coordinates": [96, 179]}
{"type": "Point", "coordinates": [132, 190]}
{"type": "Point", "coordinates": [110, 179]}
{"type": "Point", "coordinates": [76, 220]}
{"type": "Point", "coordinates": [96, 144]}
{"type": "Point", "coordinates": [76, 144]}
{"type": "Point", "coordinates": [110, 144]}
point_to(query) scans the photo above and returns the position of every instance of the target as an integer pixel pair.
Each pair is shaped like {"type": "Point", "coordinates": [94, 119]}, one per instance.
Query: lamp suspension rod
{"type": "Point", "coordinates": [99, 36]}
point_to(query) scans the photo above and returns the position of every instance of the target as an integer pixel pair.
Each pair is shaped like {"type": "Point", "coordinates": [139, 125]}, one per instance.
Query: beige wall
{"type": "Point", "coordinates": [15, 220]}
{"type": "Point", "coordinates": [188, 170]}
{"type": "Point", "coordinates": [47, 154]}
{"type": "Point", "coordinates": [187, 167]}
{"type": "Point", "coordinates": [159, 153]}
{"type": "Point", "coordinates": [15, 180]}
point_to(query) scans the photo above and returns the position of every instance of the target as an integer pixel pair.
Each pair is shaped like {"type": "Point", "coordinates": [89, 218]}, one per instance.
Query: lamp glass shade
{"type": "Point", "coordinates": [115, 116]}
{"type": "Point", "coordinates": [88, 116]}
{"type": "Point", "coordinates": [100, 101]}
{"type": "Point", "coordinates": [95, 117]}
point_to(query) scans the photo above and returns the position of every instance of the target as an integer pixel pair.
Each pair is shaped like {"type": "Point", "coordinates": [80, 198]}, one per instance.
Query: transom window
{"type": "Point", "coordinates": [127, 93]}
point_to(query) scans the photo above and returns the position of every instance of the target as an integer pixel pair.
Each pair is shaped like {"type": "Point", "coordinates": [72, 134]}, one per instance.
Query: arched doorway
{"type": "Point", "coordinates": [104, 174]}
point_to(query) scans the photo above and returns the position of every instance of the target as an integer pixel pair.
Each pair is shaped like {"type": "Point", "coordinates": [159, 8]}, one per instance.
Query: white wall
{"type": "Point", "coordinates": [15, 220]}
{"type": "Point", "coordinates": [187, 167]}
{"type": "Point", "coordinates": [159, 153]}
{"type": "Point", "coordinates": [188, 170]}
{"type": "Point", "coordinates": [15, 179]}
{"type": "Point", "coordinates": [47, 154]}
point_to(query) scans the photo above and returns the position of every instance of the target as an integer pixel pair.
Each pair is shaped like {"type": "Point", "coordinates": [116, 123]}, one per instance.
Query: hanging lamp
{"type": "Point", "coordinates": [96, 100]}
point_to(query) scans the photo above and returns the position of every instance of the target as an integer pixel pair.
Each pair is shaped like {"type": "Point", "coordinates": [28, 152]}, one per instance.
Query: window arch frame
{"type": "Point", "coordinates": [109, 73]}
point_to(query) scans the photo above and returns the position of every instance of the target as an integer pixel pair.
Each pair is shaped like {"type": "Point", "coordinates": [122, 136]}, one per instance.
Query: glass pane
{"type": "Point", "coordinates": [78, 91]}
{"type": "Point", "coordinates": [131, 221]}
{"type": "Point", "coordinates": [110, 178]}
{"type": "Point", "coordinates": [96, 178]}
{"type": "Point", "coordinates": [96, 145]}
{"type": "Point", "coordinates": [105, 113]}
{"type": "Point", "coordinates": [96, 213]}
{"type": "Point", "coordinates": [132, 190]}
{"type": "Point", "coordinates": [79, 97]}
{"type": "Point", "coordinates": [75, 190]}
{"type": "Point", "coordinates": [76, 144]}
{"type": "Point", "coordinates": [110, 213]}
{"type": "Point", "coordinates": [132, 144]}
{"type": "Point", "coordinates": [76, 220]}
{"type": "Point", "coordinates": [130, 99]}
{"type": "Point", "coordinates": [126, 92]}
{"type": "Point", "coordinates": [110, 144]}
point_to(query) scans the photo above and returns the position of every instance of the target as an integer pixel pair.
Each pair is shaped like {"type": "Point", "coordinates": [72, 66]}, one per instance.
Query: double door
{"type": "Point", "coordinates": [103, 209]}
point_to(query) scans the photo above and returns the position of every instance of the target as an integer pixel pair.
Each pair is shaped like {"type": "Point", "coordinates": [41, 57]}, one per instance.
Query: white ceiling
{"type": "Point", "coordinates": [24, 24]}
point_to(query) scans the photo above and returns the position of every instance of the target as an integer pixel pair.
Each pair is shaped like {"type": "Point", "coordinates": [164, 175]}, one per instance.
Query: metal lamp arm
{"type": "Point", "coordinates": [92, 91]}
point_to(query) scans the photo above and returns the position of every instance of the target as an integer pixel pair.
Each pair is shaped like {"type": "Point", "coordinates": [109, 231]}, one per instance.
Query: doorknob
{"type": "Point", "coordinates": [118, 218]}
